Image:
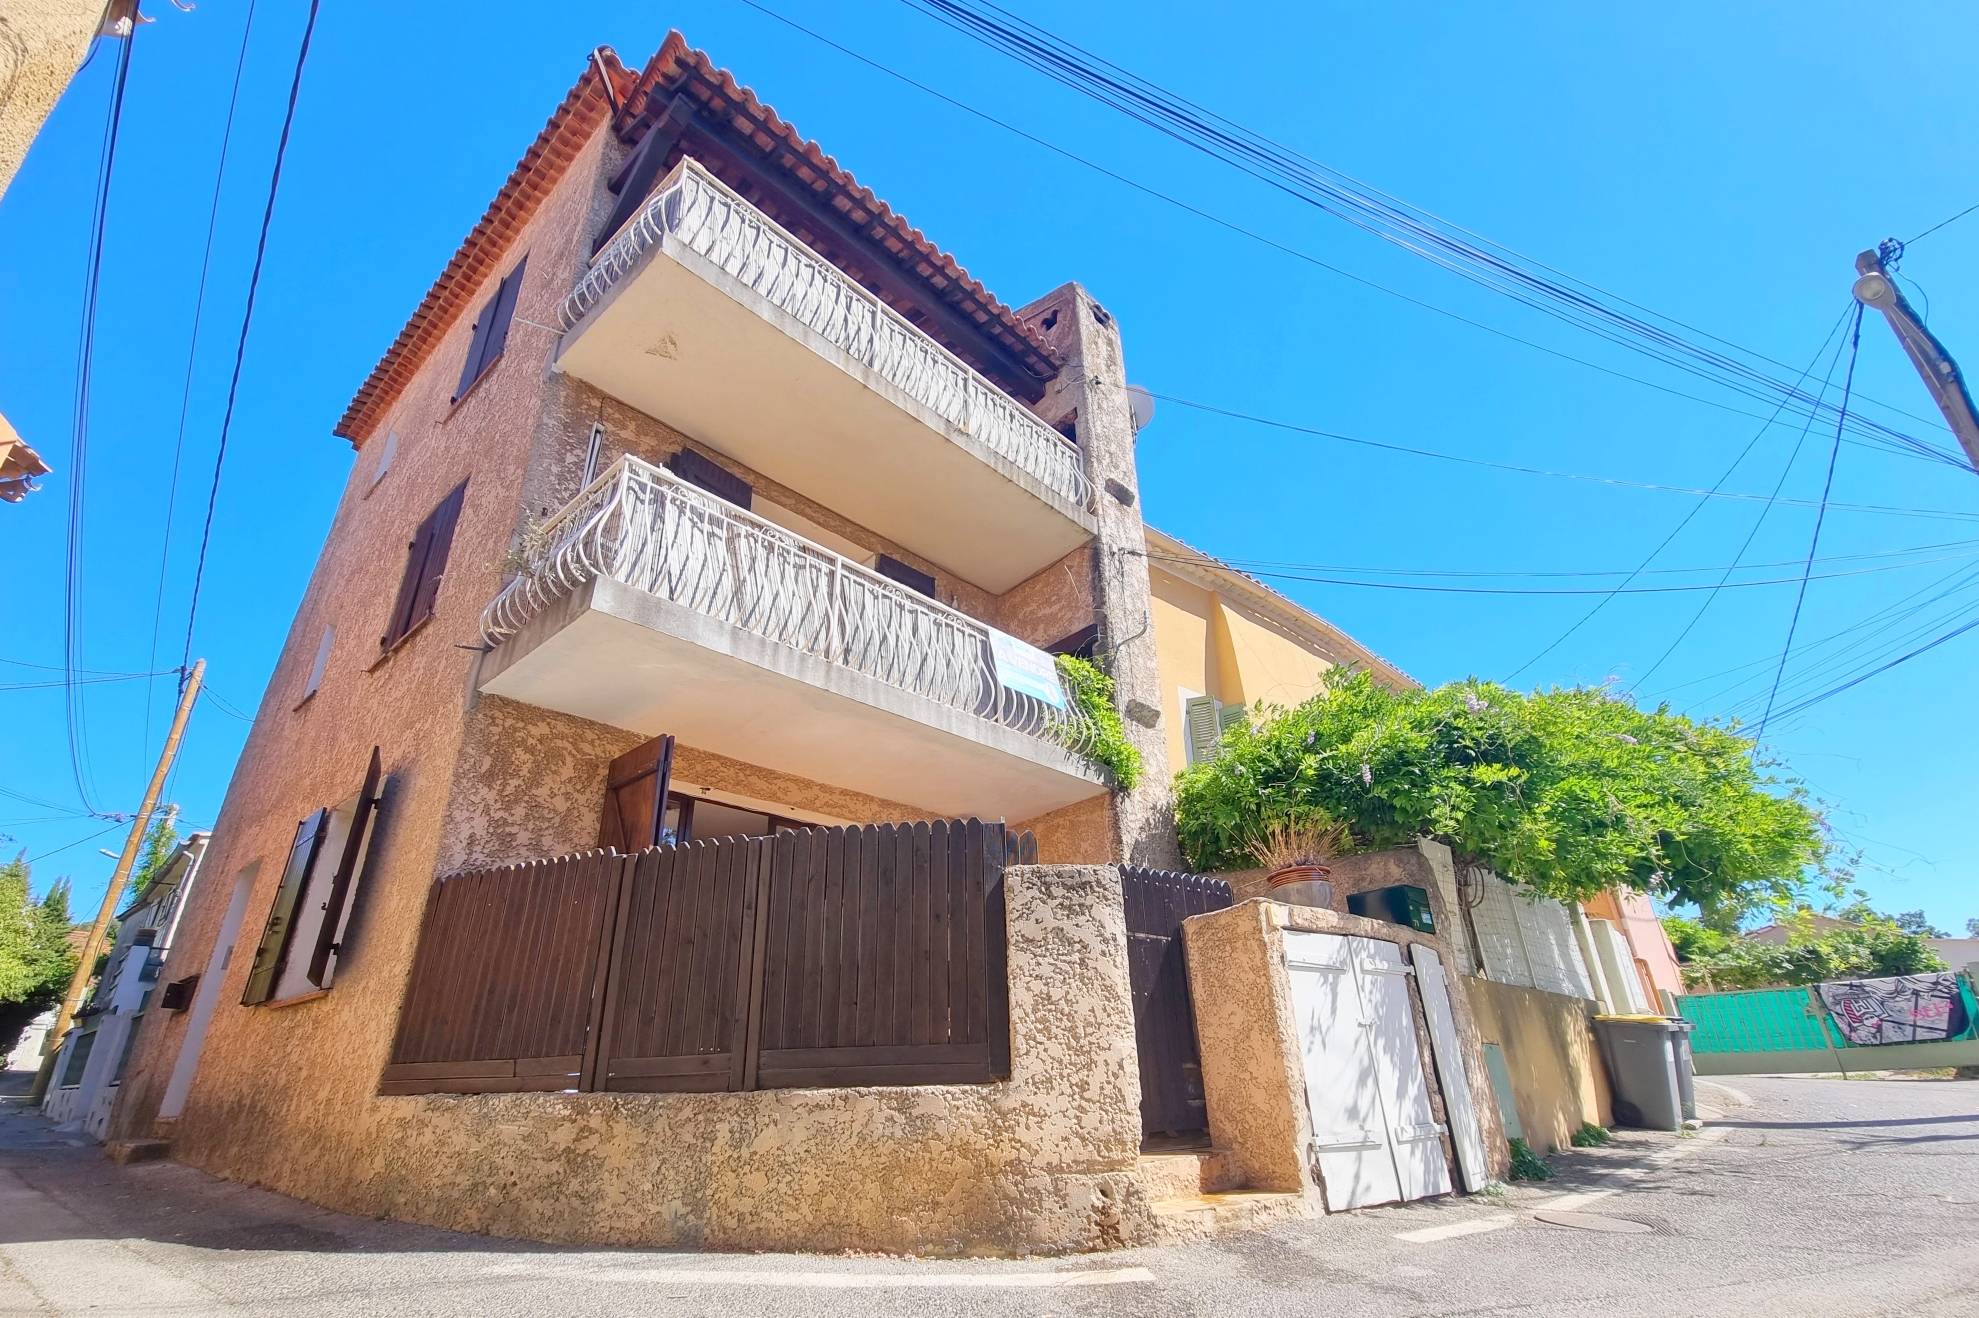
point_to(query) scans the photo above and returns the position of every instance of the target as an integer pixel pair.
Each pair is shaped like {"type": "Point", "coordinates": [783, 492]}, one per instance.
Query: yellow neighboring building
{"type": "Point", "coordinates": [1224, 641]}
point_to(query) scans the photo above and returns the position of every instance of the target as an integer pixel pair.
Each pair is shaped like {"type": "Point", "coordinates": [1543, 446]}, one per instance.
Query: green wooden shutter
{"type": "Point", "coordinates": [1200, 724]}
{"type": "Point", "coordinates": [1228, 717]}
{"type": "Point", "coordinates": [273, 948]}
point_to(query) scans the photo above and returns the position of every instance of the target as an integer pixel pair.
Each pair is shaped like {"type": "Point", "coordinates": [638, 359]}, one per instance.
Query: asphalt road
{"type": "Point", "coordinates": [1811, 1197]}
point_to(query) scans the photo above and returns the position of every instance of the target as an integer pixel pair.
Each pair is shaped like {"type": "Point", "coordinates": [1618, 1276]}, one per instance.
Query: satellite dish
{"type": "Point", "coordinates": [1140, 404]}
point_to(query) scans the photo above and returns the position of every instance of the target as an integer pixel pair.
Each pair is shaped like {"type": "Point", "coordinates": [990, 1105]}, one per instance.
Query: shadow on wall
{"type": "Point", "coordinates": [1548, 1041]}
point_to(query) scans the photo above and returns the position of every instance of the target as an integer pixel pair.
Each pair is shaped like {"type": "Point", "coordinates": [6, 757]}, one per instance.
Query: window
{"type": "Point", "coordinates": [321, 661]}
{"type": "Point", "coordinates": [1082, 644]}
{"type": "Point", "coordinates": [387, 451]}
{"type": "Point", "coordinates": [627, 822]}
{"type": "Point", "coordinates": [78, 1059]}
{"type": "Point", "coordinates": [425, 565]}
{"type": "Point", "coordinates": [491, 330]}
{"type": "Point", "coordinates": [592, 452]}
{"type": "Point", "coordinates": [1204, 721]}
{"type": "Point", "coordinates": [911, 577]}
{"type": "Point", "coordinates": [303, 938]}
{"type": "Point", "coordinates": [710, 476]}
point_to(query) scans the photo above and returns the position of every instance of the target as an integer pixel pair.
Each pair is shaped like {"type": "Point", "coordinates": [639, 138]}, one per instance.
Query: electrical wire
{"type": "Point", "coordinates": [1942, 223]}
{"type": "Point", "coordinates": [1697, 507]}
{"type": "Point", "coordinates": [1820, 517]}
{"type": "Point", "coordinates": [75, 714]}
{"type": "Point", "coordinates": [1535, 573]}
{"type": "Point", "coordinates": [1286, 249]}
{"type": "Point", "coordinates": [247, 322]}
{"type": "Point", "coordinates": [1231, 414]}
{"type": "Point", "coordinates": [1502, 270]}
{"type": "Point", "coordinates": [1802, 706]}
{"type": "Point", "coordinates": [192, 356]}
{"type": "Point", "coordinates": [71, 846]}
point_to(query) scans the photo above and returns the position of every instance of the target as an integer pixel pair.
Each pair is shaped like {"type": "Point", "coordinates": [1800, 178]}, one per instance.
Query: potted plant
{"type": "Point", "coordinates": [1297, 853]}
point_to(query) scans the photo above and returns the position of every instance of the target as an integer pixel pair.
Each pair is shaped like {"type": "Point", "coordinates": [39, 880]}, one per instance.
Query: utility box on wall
{"type": "Point", "coordinates": [1401, 903]}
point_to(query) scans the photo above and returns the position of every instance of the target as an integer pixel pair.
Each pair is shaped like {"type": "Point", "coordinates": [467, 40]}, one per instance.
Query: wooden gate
{"type": "Point", "coordinates": [1164, 1019]}
{"type": "Point", "coordinates": [817, 957]}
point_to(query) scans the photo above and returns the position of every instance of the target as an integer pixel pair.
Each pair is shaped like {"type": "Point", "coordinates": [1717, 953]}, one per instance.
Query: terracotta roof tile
{"type": "Point", "coordinates": [583, 110]}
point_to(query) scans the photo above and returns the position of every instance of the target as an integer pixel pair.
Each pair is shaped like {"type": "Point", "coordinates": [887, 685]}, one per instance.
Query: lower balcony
{"type": "Point", "coordinates": [651, 605]}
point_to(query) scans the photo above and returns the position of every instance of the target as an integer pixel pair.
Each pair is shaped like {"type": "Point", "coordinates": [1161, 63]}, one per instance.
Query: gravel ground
{"type": "Point", "coordinates": [1804, 1196]}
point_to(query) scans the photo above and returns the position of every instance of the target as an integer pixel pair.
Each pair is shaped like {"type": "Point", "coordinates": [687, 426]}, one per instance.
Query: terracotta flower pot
{"type": "Point", "coordinates": [1301, 885]}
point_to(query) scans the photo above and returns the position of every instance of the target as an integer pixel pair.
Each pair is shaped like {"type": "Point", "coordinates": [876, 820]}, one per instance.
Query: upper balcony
{"type": "Point", "coordinates": [653, 606]}
{"type": "Point", "coordinates": [704, 313]}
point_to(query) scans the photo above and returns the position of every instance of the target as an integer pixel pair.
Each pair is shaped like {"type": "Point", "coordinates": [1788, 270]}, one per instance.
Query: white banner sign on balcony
{"type": "Point", "coordinates": [1026, 669]}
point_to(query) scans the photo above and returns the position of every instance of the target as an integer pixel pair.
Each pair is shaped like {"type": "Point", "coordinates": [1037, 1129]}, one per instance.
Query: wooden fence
{"type": "Point", "coordinates": [818, 957]}
{"type": "Point", "coordinates": [1164, 1018]}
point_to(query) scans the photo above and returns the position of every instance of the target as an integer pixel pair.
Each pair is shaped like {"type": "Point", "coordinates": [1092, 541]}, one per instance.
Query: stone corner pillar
{"type": "Point", "coordinates": [1254, 1083]}
{"type": "Point", "coordinates": [1091, 394]}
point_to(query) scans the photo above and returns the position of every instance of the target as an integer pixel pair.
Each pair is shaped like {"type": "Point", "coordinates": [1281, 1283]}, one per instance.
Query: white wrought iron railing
{"type": "Point", "coordinates": [643, 526]}
{"type": "Point", "coordinates": [701, 212]}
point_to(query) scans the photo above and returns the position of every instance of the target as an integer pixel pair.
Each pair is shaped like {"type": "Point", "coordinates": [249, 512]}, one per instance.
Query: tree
{"type": "Point", "coordinates": [1972, 927]}
{"type": "Point", "coordinates": [1913, 922]}
{"type": "Point", "coordinates": [1873, 947]}
{"type": "Point", "coordinates": [160, 840]}
{"type": "Point", "coordinates": [1695, 940]}
{"type": "Point", "coordinates": [1569, 791]}
{"type": "Point", "coordinates": [35, 959]}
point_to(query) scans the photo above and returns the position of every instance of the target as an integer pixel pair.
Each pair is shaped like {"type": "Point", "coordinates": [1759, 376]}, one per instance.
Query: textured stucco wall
{"type": "Point", "coordinates": [272, 1078]}
{"type": "Point", "coordinates": [1092, 390]}
{"type": "Point", "coordinates": [42, 44]}
{"type": "Point", "coordinates": [1557, 1078]}
{"type": "Point", "coordinates": [1253, 1073]}
{"type": "Point", "coordinates": [1044, 1162]}
{"type": "Point", "coordinates": [530, 783]}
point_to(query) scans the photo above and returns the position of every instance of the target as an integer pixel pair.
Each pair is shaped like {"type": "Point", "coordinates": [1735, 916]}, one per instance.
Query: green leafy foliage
{"type": "Point", "coordinates": [1568, 791]}
{"type": "Point", "coordinates": [35, 960]}
{"type": "Point", "coordinates": [1591, 1136]}
{"type": "Point", "coordinates": [1091, 693]}
{"type": "Point", "coordinates": [1527, 1165]}
{"type": "Point", "coordinates": [1913, 922]}
{"type": "Point", "coordinates": [1871, 947]}
{"type": "Point", "coordinates": [160, 840]}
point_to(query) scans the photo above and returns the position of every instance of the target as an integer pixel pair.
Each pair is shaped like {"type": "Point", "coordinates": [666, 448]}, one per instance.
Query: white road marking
{"type": "Point", "coordinates": [866, 1281]}
{"type": "Point", "coordinates": [1473, 1227]}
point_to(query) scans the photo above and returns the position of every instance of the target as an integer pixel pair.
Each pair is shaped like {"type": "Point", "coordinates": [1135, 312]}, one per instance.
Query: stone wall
{"type": "Point", "coordinates": [1253, 1075]}
{"type": "Point", "coordinates": [1043, 1162]}
{"type": "Point", "coordinates": [1558, 1081]}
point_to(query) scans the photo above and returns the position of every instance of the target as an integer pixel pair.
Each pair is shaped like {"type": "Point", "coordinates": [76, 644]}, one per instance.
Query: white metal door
{"type": "Point", "coordinates": [1414, 1134]}
{"type": "Point", "coordinates": [1458, 1105]}
{"type": "Point", "coordinates": [1350, 1128]}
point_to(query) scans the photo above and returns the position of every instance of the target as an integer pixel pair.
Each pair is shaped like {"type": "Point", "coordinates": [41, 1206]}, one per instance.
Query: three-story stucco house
{"type": "Point", "coordinates": [668, 822]}
{"type": "Point", "coordinates": [702, 496]}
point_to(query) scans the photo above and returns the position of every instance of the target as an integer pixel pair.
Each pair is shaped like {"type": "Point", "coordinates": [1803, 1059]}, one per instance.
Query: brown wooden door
{"type": "Point", "coordinates": [1157, 902]}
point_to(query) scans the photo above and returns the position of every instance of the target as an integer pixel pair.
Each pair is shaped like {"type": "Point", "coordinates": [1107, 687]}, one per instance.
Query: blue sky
{"type": "Point", "coordinates": [1719, 164]}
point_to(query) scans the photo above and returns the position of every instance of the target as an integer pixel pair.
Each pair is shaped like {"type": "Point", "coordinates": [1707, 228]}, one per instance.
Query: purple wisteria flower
{"type": "Point", "coordinates": [1474, 703]}
{"type": "Point", "coordinates": [1367, 775]}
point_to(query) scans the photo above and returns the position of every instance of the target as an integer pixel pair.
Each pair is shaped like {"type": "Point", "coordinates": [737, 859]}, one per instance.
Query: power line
{"type": "Point", "coordinates": [192, 356]}
{"type": "Point", "coordinates": [70, 846]}
{"type": "Point", "coordinates": [1536, 573]}
{"type": "Point", "coordinates": [1820, 517]}
{"type": "Point", "coordinates": [1802, 706]}
{"type": "Point", "coordinates": [1520, 469]}
{"type": "Point", "coordinates": [1910, 448]}
{"type": "Point", "coordinates": [75, 716]}
{"type": "Point", "coordinates": [1697, 507]}
{"type": "Point", "coordinates": [247, 321]}
{"type": "Point", "coordinates": [1528, 590]}
{"type": "Point", "coordinates": [1346, 199]}
{"type": "Point", "coordinates": [1942, 223]}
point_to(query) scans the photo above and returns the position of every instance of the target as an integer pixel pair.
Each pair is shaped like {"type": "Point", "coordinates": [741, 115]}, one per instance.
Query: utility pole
{"type": "Point", "coordinates": [1877, 290]}
{"type": "Point", "coordinates": [118, 878]}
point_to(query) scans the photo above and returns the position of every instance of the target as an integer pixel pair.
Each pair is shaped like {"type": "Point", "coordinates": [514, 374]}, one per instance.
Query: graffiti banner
{"type": "Point", "coordinates": [1904, 1009]}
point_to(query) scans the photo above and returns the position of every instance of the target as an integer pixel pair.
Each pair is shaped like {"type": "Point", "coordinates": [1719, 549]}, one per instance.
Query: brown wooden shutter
{"type": "Point", "coordinates": [710, 476]}
{"type": "Point", "coordinates": [425, 563]}
{"type": "Point", "coordinates": [894, 570]}
{"type": "Point", "coordinates": [470, 370]}
{"type": "Point", "coordinates": [504, 309]}
{"type": "Point", "coordinates": [349, 872]}
{"type": "Point", "coordinates": [272, 951]}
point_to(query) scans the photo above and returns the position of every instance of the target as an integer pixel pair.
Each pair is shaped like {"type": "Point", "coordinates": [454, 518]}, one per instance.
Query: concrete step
{"type": "Point", "coordinates": [1180, 1173]}
{"type": "Point", "coordinates": [136, 1150]}
{"type": "Point", "coordinates": [1182, 1218]}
